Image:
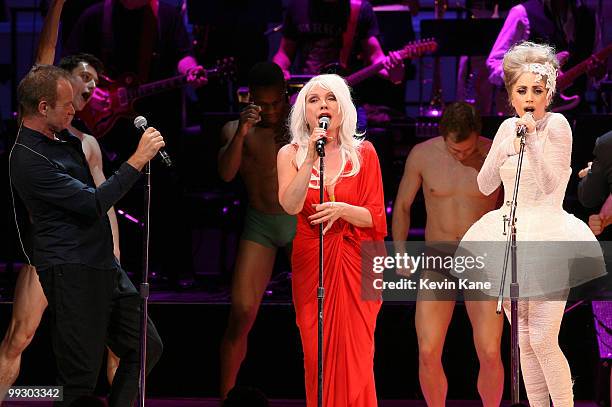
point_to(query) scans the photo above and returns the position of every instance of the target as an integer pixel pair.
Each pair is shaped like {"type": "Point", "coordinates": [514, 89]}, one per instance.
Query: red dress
{"type": "Point", "coordinates": [349, 321]}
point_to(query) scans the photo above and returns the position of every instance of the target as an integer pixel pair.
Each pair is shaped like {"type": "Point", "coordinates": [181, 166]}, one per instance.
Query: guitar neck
{"type": "Point", "coordinates": [159, 86]}
{"type": "Point", "coordinates": [163, 85]}
{"type": "Point", "coordinates": [364, 73]}
{"type": "Point", "coordinates": [567, 78]}
{"type": "Point", "coordinates": [409, 51]}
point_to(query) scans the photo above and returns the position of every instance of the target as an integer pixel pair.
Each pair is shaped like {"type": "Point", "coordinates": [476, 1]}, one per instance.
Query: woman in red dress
{"type": "Point", "coordinates": [353, 212]}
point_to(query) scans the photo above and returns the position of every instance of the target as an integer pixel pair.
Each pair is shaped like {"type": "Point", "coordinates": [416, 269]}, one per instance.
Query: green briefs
{"type": "Point", "coordinates": [269, 230]}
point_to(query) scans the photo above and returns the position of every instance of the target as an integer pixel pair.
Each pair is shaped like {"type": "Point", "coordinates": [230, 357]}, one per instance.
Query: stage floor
{"type": "Point", "coordinates": [191, 322]}
{"type": "Point", "coordinates": [300, 403]}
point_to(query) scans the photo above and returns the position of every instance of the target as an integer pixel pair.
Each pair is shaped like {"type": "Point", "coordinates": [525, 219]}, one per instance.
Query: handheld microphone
{"type": "Point", "coordinates": [141, 123]}
{"type": "Point", "coordinates": [522, 129]}
{"type": "Point", "coordinates": [320, 145]}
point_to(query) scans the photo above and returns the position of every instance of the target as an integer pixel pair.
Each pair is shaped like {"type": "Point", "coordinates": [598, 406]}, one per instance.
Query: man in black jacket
{"type": "Point", "coordinates": [596, 185]}
{"type": "Point", "coordinates": [73, 245]}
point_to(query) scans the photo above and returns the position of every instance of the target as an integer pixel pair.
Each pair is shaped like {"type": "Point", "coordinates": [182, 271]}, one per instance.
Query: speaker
{"type": "Point", "coordinates": [395, 26]}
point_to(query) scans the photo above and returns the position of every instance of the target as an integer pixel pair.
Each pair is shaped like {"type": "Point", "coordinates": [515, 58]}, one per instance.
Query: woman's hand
{"type": "Point", "coordinates": [327, 212]}
{"type": "Point", "coordinates": [528, 121]}
{"type": "Point", "coordinates": [311, 154]}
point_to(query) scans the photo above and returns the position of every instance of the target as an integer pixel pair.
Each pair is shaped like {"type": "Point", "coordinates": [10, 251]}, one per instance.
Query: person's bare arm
{"type": "Point", "coordinates": [330, 212]}
{"type": "Point", "coordinates": [292, 184]}
{"type": "Point", "coordinates": [409, 186]}
{"type": "Point", "coordinates": [230, 155]}
{"type": "Point", "coordinates": [232, 137]}
{"type": "Point", "coordinates": [393, 65]}
{"type": "Point", "coordinates": [94, 161]}
{"type": "Point", "coordinates": [515, 29]}
{"type": "Point", "coordinates": [45, 53]}
{"type": "Point", "coordinates": [284, 55]}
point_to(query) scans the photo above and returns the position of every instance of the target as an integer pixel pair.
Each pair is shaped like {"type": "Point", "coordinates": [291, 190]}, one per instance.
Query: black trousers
{"type": "Point", "coordinates": [89, 309]}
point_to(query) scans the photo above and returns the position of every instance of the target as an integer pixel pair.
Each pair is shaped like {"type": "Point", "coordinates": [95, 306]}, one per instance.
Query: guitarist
{"type": "Point", "coordinates": [149, 39]}
{"type": "Point", "coordinates": [317, 33]}
{"type": "Point", "coordinates": [564, 24]}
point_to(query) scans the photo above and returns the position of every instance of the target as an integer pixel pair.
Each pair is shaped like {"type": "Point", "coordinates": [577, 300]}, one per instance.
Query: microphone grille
{"type": "Point", "coordinates": [324, 119]}
{"type": "Point", "coordinates": [140, 121]}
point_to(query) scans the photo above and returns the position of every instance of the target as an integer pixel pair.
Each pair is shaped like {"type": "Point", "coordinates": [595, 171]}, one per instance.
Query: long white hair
{"type": "Point", "coordinates": [300, 130]}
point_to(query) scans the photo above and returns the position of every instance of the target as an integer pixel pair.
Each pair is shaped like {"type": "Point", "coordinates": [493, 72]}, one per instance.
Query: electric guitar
{"type": "Point", "coordinates": [414, 49]}
{"type": "Point", "coordinates": [565, 79]}
{"type": "Point", "coordinates": [561, 102]}
{"type": "Point", "coordinates": [122, 94]}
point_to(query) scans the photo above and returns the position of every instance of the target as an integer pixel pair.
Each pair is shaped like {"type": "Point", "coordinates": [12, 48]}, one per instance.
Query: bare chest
{"type": "Point", "coordinates": [260, 151]}
{"type": "Point", "coordinates": [448, 177]}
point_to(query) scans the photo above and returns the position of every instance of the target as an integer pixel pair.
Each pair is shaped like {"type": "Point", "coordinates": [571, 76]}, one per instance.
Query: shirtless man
{"type": "Point", "coordinates": [446, 168]}
{"type": "Point", "coordinates": [250, 147]}
{"type": "Point", "coordinates": [30, 301]}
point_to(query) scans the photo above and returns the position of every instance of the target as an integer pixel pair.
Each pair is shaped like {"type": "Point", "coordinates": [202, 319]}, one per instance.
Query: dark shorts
{"type": "Point", "coordinates": [446, 283]}
{"type": "Point", "coordinates": [269, 230]}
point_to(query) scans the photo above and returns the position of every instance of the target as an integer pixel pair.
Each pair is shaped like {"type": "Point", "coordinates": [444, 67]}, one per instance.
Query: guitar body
{"type": "Point", "coordinates": [100, 121]}
{"type": "Point", "coordinates": [100, 117]}
{"type": "Point", "coordinates": [565, 79]}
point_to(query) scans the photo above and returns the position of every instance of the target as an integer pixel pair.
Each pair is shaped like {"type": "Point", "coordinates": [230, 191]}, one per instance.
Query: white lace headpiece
{"type": "Point", "coordinates": [544, 69]}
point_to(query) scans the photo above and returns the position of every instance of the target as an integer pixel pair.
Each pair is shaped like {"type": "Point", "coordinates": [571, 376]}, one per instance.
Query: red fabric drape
{"type": "Point", "coordinates": [349, 321]}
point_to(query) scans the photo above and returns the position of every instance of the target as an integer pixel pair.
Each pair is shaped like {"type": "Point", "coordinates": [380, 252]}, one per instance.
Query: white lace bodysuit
{"type": "Point", "coordinates": [562, 251]}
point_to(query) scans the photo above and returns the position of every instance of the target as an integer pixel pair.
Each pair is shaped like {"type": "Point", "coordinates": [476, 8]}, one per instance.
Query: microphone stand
{"type": "Point", "coordinates": [510, 253]}
{"type": "Point", "coordinates": [144, 288]}
{"type": "Point", "coordinates": [321, 289]}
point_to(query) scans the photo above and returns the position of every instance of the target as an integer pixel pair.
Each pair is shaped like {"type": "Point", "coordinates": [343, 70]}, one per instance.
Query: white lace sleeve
{"type": "Point", "coordinates": [551, 161]}
{"type": "Point", "coordinates": [488, 177]}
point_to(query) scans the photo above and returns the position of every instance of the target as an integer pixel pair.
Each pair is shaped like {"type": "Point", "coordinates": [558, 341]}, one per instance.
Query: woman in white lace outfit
{"type": "Point", "coordinates": [530, 72]}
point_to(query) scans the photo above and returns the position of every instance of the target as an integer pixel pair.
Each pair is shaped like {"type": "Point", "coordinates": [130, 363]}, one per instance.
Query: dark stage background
{"type": "Point", "coordinates": [190, 304]}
